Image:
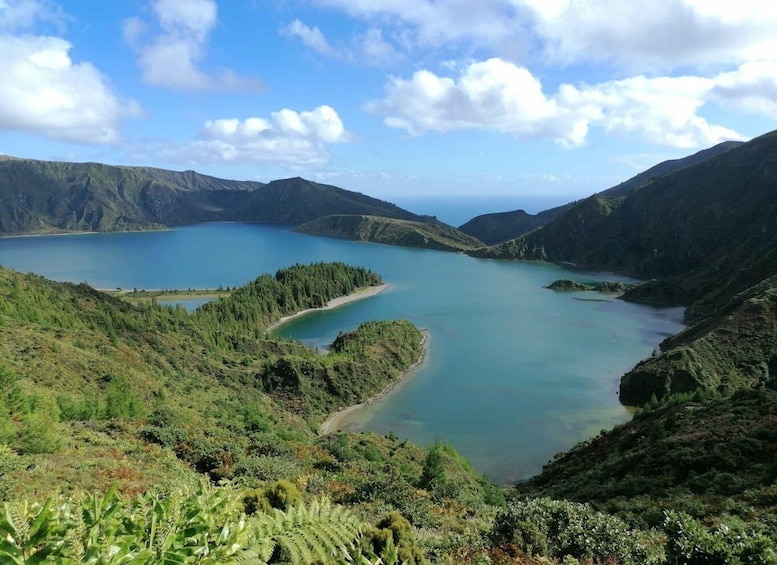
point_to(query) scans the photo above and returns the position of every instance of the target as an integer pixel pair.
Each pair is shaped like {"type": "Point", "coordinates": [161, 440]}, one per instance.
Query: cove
{"type": "Point", "coordinates": [515, 373]}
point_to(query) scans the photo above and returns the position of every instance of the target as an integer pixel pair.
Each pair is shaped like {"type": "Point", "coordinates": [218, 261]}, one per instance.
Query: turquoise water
{"type": "Point", "coordinates": [515, 373]}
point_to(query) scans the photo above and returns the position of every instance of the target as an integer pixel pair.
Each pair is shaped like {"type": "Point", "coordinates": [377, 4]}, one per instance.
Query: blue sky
{"type": "Point", "coordinates": [510, 99]}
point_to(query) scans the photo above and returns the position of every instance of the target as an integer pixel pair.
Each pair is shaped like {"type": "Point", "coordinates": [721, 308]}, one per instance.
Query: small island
{"type": "Point", "coordinates": [605, 287]}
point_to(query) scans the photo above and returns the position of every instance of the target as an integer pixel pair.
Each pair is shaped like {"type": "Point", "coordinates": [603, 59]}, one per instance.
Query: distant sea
{"type": "Point", "coordinates": [457, 210]}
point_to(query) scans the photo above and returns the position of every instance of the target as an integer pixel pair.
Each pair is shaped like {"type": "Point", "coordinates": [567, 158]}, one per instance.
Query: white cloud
{"type": "Point", "coordinates": [43, 91]}
{"type": "Point", "coordinates": [496, 95]}
{"type": "Point", "coordinates": [173, 57]}
{"type": "Point", "coordinates": [311, 37]}
{"type": "Point", "coordinates": [751, 88]}
{"type": "Point", "coordinates": [287, 138]}
{"type": "Point", "coordinates": [368, 48]}
{"type": "Point", "coordinates": [493, 94]}
{"type": "Point", "coordinates": [435, 22]}
{"type": "Point", "coordinates": [373, 49]}
{"type": "Point", "coordinates": [666, 34]}
{"type": "Point", "coordinates": [24, 14]}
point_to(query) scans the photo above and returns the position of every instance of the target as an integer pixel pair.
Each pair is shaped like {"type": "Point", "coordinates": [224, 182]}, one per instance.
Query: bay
{"type": "Point", "coordinates": [515, 373]}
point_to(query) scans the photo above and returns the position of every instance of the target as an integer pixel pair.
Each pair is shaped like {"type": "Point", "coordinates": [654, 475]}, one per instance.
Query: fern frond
{"type": "Point", "coordinates": [306, 534]}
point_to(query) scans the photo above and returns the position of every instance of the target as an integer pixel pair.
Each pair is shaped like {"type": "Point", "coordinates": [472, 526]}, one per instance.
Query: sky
{"type": "Point", "coordinates": [519, 100]}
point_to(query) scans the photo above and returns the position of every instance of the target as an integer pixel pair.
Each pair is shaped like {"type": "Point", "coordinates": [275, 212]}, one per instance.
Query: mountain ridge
{"type": "Point", "coordinates": [499, 227]}
{"type": "Point", "coordinates": [391, 231]}
{"type": "Point", "coordinates": [52, 196]}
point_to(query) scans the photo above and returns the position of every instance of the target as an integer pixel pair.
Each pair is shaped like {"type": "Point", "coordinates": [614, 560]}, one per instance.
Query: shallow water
{"type": "Point", "coordinates": [515, 372]}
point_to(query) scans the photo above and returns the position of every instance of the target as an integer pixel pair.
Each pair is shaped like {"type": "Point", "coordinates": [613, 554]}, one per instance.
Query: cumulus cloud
{"type": "Point", "coordinates": [174, 55]}
{"type": "Point", "coordinates": [43, 91]}
{"type": "Point", "coordinates": [493, 94]}
{"type": "Point", "coordinates": [496, 95]}
{"type": "Point", "coordinates": [287, 137]}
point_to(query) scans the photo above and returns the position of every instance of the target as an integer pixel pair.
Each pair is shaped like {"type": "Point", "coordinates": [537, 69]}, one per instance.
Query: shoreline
{"type": "Point", "coordinates": [334, 303]}
{"type": "Point", "coordinates": [334, 421]}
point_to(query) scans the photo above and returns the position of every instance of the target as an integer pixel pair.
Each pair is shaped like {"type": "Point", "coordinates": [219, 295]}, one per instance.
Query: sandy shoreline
{"type": "Point", "coordinates": [335, 303]}
{"type": "Point", "coordinates": [333, 423]}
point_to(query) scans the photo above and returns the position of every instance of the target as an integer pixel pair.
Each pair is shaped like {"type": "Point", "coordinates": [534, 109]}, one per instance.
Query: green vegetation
{"type": "Point", "coordinates": [709, 458]}
{"type": "Point", "coordinates": [503, 226]}
{"type": "Point", "coordinates": [429, 235]}
{"type": "Point", "coordinates": [671, 225]}
{"type": "Point", "coordinates": [605, 287]}
{"type": "Point", "coordinates": [204, 525]}
{"type": "Point", "coordinates": [50, 197]}
{"type": "Point", "coordinates": [497, 228]}
{"type": "Point", "coordinates": [729, 351]}
{"type": "Point", "coordinates": [98, 393]}
{"type": "Point", "coordinates": [696, 464]}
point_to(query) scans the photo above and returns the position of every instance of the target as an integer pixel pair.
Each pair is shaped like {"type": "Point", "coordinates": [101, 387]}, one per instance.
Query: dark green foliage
{"type": "Point", "coordinates": [391, 231]}
{"type": "Point", "coordinates": [281, 495]}
{"type": "Point", "coordinates": [46, 196]}
{"type": "Point", "coordinates": [691, 543]}
{"type": "Point", "coordinates": [729, 351]}
{"type": "Point", "coordinates": [122, 400]}
{"type": "Point", "coordinates": [394, 533]}
{"type": "Point", "coordinates": [251, 308]}
{"type": "Point", "coordinates": [670, 225]}
{"type": "Point", "coordinates": [561, 529]}
{"type": "Point", "coordinates": [702, 456]}
{"type": "Point", "coordinates": [500, 227]}
{"type": "Point", "coordinates": [433, 476]}
{"type": "Point", "coordinates": [607, 287]}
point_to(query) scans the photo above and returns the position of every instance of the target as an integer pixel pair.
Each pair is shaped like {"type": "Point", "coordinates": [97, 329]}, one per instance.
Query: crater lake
{"type": "Point", "coordinates": [514, 373]}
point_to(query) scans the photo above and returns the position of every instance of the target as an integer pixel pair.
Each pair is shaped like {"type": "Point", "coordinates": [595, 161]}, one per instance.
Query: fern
{"type": "Point", "coordinates": [319, 532]}
{"type": "Point", "coordinates": [205, 526]}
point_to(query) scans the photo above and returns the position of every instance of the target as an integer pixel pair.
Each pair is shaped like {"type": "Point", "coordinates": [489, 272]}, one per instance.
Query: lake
{"type": "Point", "coordinates": [515, 373]}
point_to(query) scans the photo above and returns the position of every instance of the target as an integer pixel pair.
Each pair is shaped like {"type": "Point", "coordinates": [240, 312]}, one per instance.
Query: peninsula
{"type": "Point", "coordinates": [359, 294]}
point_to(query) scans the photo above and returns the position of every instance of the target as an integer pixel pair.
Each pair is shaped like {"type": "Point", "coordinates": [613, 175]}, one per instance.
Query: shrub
{"type": "Point", "coordinates": [691, 543]}
{"type": "Point", "coordinates": [561, 529]}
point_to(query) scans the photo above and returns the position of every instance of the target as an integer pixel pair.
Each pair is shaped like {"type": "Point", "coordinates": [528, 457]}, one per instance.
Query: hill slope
{"type": "Point", "coordinates": [497, 228]}
{"type": "Point", "coordinates": [732, 349]}
{"type": "Point", "coordinates": [391, 231]}
{"type": "Point", "coordinates": [502, 226]}
{"type": "Point", "coordinates": [45, 196]}
{"type": "Point", "coordinates": [676, 223]}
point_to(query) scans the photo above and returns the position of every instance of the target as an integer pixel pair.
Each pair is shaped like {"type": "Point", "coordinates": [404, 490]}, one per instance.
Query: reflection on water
{"type": "Point", "coordinates": [515, 373]}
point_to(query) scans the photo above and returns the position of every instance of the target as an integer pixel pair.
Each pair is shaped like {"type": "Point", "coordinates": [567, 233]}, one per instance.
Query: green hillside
{"type": "Point", "coordinates": [390, 231]}
{"type": "Point", "coordinates": [500, 227]}
{"type": "Point", "coordinates": [730, 350]}
{"type": "Point", "coordinates": [95, 392]}
{"type": "Point", "coordinates": [704, 234]}
{"type": "Point", "coordinates": [47, 196]}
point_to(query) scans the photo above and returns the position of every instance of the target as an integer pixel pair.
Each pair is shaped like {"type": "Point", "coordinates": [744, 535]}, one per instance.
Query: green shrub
{"type": "Point", "coordinates": [691, 543]}
{"type": "Point", "coordinates": [393, 534]}
{"type": "Point", "coordinates": [122, 400]}
{"type": "Point", "coordinates": [561, 529]}
{"type": "Point", "coordinates": [281, 495]}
